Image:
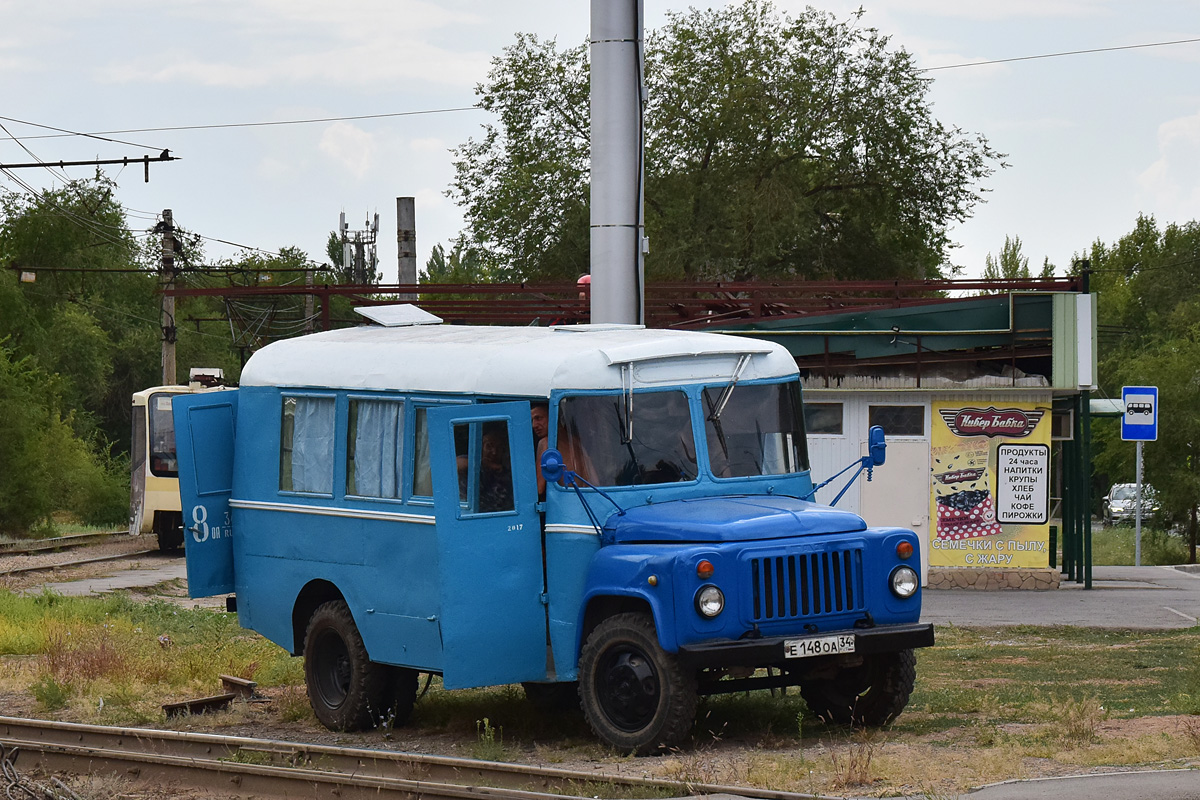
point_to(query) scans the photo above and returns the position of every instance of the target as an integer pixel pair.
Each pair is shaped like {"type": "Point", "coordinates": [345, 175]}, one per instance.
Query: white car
{"type": "Point", "coordinates": [1120, 505]}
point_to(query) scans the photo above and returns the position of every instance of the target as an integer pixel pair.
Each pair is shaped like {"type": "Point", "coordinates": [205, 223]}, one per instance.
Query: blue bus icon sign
{"type": "Point", "coordinates": [1140, 421]}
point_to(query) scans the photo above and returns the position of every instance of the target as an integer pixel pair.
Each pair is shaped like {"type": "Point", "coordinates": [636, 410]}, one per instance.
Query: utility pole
{"type": "Point", "coordinates": [617, 97]}
{"type": "Point", "coordinates": [406, 242]}
{"type": "Point", "coordinates": [359, 258]}
{"type": "Point", "coordinates": [168, 300]}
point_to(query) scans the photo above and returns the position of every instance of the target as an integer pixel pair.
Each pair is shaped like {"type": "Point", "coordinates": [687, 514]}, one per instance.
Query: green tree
{"type": "Point", "coordinates": [464, 264]}
{"type": "Point", "coordinates": [92, 302]}
{"type": "Point", "coordinates": [1149, 310]}
{"type": "Point", "coordinates": [44, 466]}
{"type": "Point", "coordinates": [1012, 263]}
{"type": "Point", "coordinates": [775, 147]}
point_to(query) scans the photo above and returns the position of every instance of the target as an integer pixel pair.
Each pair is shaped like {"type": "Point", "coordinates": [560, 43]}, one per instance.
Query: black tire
{"type": "Point", "coordinates": [635, 696]}
{"type": "Point", "coordinates": [868, 696]}
{"type": "Point", "coordinates": [347, 690]}
{"type": "Point", "coordinates": [400, 696]}
{"type": "Point", "coordinates": [553, 698]}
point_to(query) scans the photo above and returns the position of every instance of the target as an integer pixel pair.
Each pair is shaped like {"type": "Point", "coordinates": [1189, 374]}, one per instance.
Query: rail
{"type": "Point", "coordinates": [272, 768]}
{"type": "Point", "coordinates": [26, 546]}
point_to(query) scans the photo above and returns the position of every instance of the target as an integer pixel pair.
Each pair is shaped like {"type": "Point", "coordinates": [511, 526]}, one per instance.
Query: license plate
{"type": "Point", "coordinates": [819, 646]}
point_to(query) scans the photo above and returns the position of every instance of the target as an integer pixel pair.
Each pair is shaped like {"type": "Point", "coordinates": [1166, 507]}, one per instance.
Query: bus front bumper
{"type": "Point", "coordinates": [784, 650]}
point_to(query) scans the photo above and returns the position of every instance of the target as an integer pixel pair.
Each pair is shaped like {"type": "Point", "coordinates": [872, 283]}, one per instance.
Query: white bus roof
{"type": "Point", "coordinates": [526, 361]}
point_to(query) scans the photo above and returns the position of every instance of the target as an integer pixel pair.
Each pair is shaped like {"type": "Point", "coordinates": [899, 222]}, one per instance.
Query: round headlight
{"type": "Point", "coordinates": [904, 582]}
{"type": "Point", "coordinates": [710, 601]}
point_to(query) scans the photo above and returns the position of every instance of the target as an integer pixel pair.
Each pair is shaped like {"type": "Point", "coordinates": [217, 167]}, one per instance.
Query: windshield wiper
{"type": "Point", "coordinates": [727, 392]}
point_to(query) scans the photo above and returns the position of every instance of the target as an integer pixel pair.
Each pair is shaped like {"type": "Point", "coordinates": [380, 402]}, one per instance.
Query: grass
{"type": "Point", "coordinates": [114, 660]}
{"type": "Point", "coordinates": [1115, 547]}
{"type": "Point", "coordinates": [990, 703]}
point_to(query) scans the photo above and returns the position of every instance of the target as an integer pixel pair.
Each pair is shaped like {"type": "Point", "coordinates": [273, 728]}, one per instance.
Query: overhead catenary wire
{"type": "Point", "coordinates": [1060, 54]}
{"type": "Point", "coordinates": [258, 124]}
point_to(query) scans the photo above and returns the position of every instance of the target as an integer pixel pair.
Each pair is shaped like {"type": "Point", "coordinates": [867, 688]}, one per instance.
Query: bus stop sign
{"type": "Point", "coordinates": [1140, 422]}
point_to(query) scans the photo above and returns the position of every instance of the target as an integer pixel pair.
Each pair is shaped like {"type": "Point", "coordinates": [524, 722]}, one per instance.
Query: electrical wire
{"type": "Point", "coordinates": [66, 132]}
{"type": "Point", "coordinates": [1059, 55]}
{"type": "Point", "coordinates": [216, 126]}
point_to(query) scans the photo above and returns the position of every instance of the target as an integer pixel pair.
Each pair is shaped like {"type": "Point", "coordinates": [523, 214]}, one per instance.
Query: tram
{"type": "Point", "coordinates": [154, 506]}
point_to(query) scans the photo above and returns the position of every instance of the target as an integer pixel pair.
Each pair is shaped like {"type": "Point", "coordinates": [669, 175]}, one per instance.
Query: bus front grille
{"type": "Point", "coordinates": [806, 585]}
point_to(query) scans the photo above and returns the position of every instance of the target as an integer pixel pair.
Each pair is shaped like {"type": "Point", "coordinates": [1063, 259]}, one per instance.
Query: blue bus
{"type": "Point", "coordinates": [612, 516]}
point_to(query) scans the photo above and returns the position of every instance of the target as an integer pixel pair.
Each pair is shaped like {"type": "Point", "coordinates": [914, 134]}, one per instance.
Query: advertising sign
{"type": "Point", "coordinates": [991, 479]}
{"type": "Point", "coordinates": [1023, 484]}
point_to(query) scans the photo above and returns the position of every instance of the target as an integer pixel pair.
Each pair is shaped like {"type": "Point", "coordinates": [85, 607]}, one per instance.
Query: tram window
{"type": "Point", "coordinates": [375, 448]}
{"type": "Point", "coordinates": [162, 437]}
{"type": "Point", "coordinates": [306, 445]}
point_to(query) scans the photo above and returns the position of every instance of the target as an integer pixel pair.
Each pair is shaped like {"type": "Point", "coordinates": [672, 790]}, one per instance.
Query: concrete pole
{"type": "Point", "coordinates": [168, 302]}
{"type": "Point", "coordinates": [616, 200]}
{"type": "Point", "coordinates": [406, 243]}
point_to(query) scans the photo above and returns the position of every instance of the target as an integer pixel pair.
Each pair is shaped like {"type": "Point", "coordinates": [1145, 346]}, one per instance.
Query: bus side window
{"type": "Point", "coordinates": [306, 445]}
{"type": "Point", "coordinates": [375, 448]}
{"type": "Point", "coordinates": [422, 482]}
{"type": "Point", "coordinates": [485, 479]}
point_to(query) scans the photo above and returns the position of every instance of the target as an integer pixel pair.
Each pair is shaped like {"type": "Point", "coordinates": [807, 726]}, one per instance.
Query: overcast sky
{"type": "Point", "coordinates": [1093, 139]}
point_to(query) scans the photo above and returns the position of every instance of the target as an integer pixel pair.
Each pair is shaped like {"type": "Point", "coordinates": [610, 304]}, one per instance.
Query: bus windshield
{"type": "Point", "coordinates": [592, 440]}
{"type": "Point", "coordinates": [759, 432]}
{"type": "Point", "coordinates": [162, 436]}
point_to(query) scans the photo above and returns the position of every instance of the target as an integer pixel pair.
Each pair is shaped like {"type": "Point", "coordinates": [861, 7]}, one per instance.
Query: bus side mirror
{"type": "Point", "coordinates": [552, 465]}
{"type": "Point", "coordinates": [876, 446]}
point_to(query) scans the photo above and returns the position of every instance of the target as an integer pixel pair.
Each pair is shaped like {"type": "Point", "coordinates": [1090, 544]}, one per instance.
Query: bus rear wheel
{"type": "Point", "coordinates": [635, 696]}
{"type": "Point", "coordinates": [347, 690]}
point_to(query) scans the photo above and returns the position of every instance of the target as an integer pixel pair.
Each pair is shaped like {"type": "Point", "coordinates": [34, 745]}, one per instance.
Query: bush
{"type": "Point", "coordinates": [44, 465]}
{"type": "Point", "coordinates": [1115, 547]}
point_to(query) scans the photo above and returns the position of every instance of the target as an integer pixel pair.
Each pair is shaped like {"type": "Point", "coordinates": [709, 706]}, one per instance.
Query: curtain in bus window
{"type": "Point", "coordinates": [376, 446]}
{"type": "Point", "coordinates": [422, 478]}
{"type": "Point", "coordinates": [311, 444]}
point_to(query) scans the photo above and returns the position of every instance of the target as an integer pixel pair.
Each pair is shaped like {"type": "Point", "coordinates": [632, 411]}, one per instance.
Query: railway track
{"type": "Point", "coordinates": [56, 543]}
{"type": "Point", "coordinates": [234, 765]}
{"type": "Point", "coordinates": [77, 563]}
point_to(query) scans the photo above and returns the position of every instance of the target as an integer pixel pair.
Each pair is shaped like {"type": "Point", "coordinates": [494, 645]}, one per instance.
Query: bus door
{"type": "Point", "coordinates": [493, 621]}
{"type": "Point", "coordinates": [204, 433]}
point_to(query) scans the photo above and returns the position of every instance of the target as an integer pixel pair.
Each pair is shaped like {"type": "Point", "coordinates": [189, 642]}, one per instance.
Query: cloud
{"type": "Point", "coordinates": [253, 43]}
{"type": "Point", "coordinates": [349, 146]}
{"type": "Point", "coordinates": [1170, 187]}
{"type": "Point", "coordinates": [429, 145]}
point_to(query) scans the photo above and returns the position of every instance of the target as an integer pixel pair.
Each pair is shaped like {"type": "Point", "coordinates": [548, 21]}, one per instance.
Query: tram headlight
{"type": "Point", "coordinates": [904, 582]}
{"type": "Point", "coordinates": [710, 601]}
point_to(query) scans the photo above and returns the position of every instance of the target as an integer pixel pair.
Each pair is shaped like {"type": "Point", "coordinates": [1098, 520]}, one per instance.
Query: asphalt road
{"type": "Point", "coordinates": [1157, 598]}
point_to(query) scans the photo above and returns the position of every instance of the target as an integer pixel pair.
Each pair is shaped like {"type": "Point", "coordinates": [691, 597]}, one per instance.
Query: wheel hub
{"type": "Point", "coordinates": [333, 670]}
{"type": "Point", "coordinates": [629, 689]}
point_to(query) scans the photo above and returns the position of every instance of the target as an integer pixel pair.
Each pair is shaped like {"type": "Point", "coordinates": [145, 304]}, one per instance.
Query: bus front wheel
{"type": "Point", "coordinates": [635, 696]}
{"type": "Point", "coordinates": [347, 690]}
{"type": "Point", "coordinates": [868, 696]}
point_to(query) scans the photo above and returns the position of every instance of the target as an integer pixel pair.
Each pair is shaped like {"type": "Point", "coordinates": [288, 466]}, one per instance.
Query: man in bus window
{"type": "Point", "coordinates": [539, 418]}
